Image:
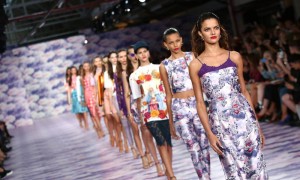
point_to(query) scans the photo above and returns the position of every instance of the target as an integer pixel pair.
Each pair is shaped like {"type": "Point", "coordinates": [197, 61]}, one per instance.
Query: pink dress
{"type": "Point", "coordinates": [89, 94]}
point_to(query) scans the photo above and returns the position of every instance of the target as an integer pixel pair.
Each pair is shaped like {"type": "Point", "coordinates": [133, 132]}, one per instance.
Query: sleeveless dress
{"type": "Point", "coordinates": [77, 96]}
{"type": "Point", "coordinates": [233, 121]}
{"type": "Point", "coordinates": [89, 94]}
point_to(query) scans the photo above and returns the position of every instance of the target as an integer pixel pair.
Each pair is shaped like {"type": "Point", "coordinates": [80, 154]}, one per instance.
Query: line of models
{"type": "Point", "coordinates": [133, 95]}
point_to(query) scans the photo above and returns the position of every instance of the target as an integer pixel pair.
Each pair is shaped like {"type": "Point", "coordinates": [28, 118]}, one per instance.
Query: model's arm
{"type": "Point", "coordinates": [201, 107]}
{"type": "Point", "coordinates": [127, 95]}
{"type": "Point", "coordinates": [164, 78]}
{"type": "Point", "coordinates": [237, 59]}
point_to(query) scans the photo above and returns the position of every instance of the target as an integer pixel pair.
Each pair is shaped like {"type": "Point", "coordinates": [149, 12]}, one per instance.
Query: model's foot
{"type": "Point", "coordinates": [159, 169]}
{"type": "Point", "coordinates": [120, 144]}
{"type": "Point", "coordinates": [112, 141]}
{"type": "Point", "coordinates": [145, 162]}
{"type": "Point", "coordinates": [134, 153]}
{"type": "Point", "coordinates": [148, 155]}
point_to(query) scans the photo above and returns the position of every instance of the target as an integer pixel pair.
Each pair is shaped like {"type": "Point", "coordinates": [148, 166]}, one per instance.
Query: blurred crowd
{"type": "Point", "coordinates": [271, 58]}
{"type": "Point", "coordinates": [5, 138]}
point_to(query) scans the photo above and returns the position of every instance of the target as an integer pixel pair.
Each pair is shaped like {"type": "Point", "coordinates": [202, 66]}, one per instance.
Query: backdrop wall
{"type": "Point", "coordinates": [32, 77]}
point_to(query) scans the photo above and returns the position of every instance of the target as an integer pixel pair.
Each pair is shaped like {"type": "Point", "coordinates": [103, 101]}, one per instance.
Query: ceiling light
{"type": "Point", "coordinates": [142, 1]}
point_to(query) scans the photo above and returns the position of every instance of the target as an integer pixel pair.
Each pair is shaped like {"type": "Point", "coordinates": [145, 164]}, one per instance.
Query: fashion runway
{"type": "Point", "coordinates": [57, 149]}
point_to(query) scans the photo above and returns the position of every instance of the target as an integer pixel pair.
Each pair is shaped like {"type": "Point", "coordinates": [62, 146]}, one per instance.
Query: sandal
{"type": "Point", "coordinates": [134, 153]}
{"type": "Point", "coordinates": [150, 161]}
{"type": "Point", "coordinates": [159, 169]}
{"type": "Point", "coordinates": [173, 177]}
{"type": "Point", "coordinates": [145, 162]}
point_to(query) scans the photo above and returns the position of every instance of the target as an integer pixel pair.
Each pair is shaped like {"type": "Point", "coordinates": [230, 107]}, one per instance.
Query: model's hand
{"type": "Point", "coordinates": [262, 138]}
{"type": "Point", "coordinates": [173, 134]}
{"type": "Point", "coordinates": [130, 118]}
{"type": "Point", "coordinates": [215, 144]}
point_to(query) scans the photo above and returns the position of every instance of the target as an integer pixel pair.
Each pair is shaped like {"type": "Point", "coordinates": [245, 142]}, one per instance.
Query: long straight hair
{"type": "Point", "coordinates": [119, 69]}
{"type": "Point", "coordinates": [70, 81]}
{"type": "Point", "coordinates": [68, 75]}
{"type": "Point", "coordinates": [198, 45]}
{"type": "Point", "coordinates": [110, 66]}
{"type": "Point", "coordinates": [95, 68]}
{"type": "Point", "coordinates": [91, 69]}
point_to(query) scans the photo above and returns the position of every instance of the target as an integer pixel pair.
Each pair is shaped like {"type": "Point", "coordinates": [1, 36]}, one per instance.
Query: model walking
{"type": "Point", "coordinates": [77, 98]}
{"type": "Point", "coordinates": [181, 102]}
{"type": "Point", "coordinates": [231, 126]}
{"type": "Point", "coordinates": [90, 94]}
{"type": "Point", "coordinates": [152, 106]}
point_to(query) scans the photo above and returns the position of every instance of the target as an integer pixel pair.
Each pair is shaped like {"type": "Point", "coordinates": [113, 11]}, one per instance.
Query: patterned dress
{"type": "Point", "coordinates": [77, 96]}
{"type": "Point", "coordinates": [185, 116]}
{"type": "Point", "coordinates": [233, 121]}
{"type": "Point", "coordinates": [89, 94]}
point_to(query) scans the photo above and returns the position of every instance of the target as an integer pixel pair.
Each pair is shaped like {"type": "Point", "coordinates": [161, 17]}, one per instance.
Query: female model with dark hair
{"type": "Point", "coordinates": [112, 107]}
{"type": "Point", "coordinates": [99, 70]}
{"type": "Point", "coordinates": [231, 126]}
{"type": "Point", "coordinates": [112, 129]}
{"type": "Point", "coordinates": [181, 102]}
{"type": "Point", "coordinates": [90, 94]}
{"type": "Point", "coordinates": [152, 107]}
{"type": "Point", "coordinates": [78, 103]}
{"type": "Point", "coordinates": [66, 84]}
{"type": "Point", "coordinates": [133, 115]}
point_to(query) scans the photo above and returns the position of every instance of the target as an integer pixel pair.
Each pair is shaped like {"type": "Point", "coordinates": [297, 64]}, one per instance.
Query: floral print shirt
{"type": "Point", "coordinates": [151, 91]}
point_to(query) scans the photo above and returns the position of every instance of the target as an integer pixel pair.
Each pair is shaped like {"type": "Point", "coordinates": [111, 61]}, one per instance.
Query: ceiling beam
{"type": "Point", "coordinates": [61, 10]}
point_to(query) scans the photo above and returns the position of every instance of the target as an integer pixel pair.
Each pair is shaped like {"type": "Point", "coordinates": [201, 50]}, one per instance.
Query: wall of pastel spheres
{"type": "Point", "coordinates": [32, 80]}
{"type": "Point", "coordinates": [32, 77]}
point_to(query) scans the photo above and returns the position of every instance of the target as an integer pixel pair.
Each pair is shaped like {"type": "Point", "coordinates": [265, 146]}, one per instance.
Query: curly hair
{"type": "Point", "coordinates": [198, 44]}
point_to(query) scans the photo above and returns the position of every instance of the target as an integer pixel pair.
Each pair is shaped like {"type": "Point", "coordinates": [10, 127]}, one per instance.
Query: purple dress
{"type": "Point", "coordinates": [120, 94]}
{"type": "Point", "coordinates": [233, 121]}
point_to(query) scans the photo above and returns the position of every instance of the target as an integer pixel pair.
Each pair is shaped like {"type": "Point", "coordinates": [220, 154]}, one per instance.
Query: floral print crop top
{"type": "Point", "coordinates": [178, 73]}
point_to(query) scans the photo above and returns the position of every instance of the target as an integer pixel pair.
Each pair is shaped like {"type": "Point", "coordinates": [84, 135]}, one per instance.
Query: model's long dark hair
{"type": "Point", "coordinates": [70, 81]}
{"type": "Point", "coordinates": [68, 75]}
{"type": "Point", "coordinates": [198, 44]}
{"type": "Point", "coordinates": [130, 68]}
{"type": "Point", "coordinates": [109, 66]}
{"type": "Point", "coordinates": [119, 65]}
{"type": "Point", "coordinates": [95, 68]}
{"type": "Point", "coordinates": [91, 69]}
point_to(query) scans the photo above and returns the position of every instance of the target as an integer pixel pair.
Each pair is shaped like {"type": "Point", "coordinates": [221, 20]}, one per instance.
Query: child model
{"type": "Point", "coordinates": [231, 126]}
{"type": "Point", "coordinates": [78, 103]}
{"type": "Point", "coordinates": [151, 94]}
{"type": "Point", "coordinates": [181, 102]}
{"type": "Point", "coordinates": [90, 94]}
